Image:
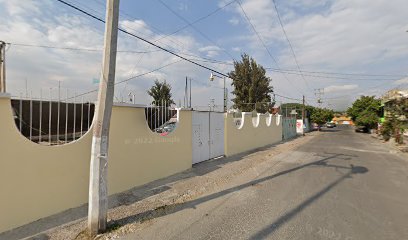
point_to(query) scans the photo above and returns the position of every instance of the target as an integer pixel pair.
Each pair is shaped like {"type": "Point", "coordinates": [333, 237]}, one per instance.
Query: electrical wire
{"type": "Point", "coordinates": [131, 78]}
{"type": "Point", "coordinates": [347, 74]}
{"type": "Point", "coordinates": [143, 39]}
{"type": "Point", "coordinates": [198, 20]}
{"type": "Point", "coordinates": [290, 44]}
{"type": "Point", "coordinates": [178, 30]}
{"type": "Point", "coordinates": [209, 60]}
{"type": "Point", "coordinates": [195, 28]}
{"type": "Point", "coordinates": [74, 49]}
{"type": "Point", "coordinates": [333, 77]}
{"type": "Point", "coordinates": [263, 43]}
{"type": "Point", "coordinates": [290, 98]}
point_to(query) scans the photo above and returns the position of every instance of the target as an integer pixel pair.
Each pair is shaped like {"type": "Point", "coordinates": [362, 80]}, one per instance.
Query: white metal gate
{"type": "Point", "coordinates": [208, 135]}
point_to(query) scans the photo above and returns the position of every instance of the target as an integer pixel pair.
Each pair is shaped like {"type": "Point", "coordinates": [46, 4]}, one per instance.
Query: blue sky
{"type": "Point", "coordinates": [341, 36]}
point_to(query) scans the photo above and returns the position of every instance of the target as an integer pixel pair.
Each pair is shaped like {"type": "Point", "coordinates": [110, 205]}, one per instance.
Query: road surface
{"type": "Point", "coordinates": [340, 185]}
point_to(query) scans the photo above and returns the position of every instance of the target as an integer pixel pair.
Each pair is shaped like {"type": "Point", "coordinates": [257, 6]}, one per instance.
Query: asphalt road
{"type": "Point", "coordinates": [340, 185]}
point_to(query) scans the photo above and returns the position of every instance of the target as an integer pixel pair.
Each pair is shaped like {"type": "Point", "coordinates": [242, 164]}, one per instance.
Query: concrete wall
{"type": "Point", "coordinates": [289, 127]}
{"type": "Point", "coordinates": [251, 133]}
{"type": "Point", "coordinates": [37, 181]}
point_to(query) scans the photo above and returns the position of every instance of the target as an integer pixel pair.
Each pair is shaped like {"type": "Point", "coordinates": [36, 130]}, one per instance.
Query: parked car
{"type": "Point", "coordinates": [363, 129]}
{"type": "Point", "coordinates": [166, 128]}
{"type": "Point", "coordinates": [169, 127]}
{"type": "Point", "coordinates": [330, 125]}
{"type": "Point", "coordinates": [315, 127]}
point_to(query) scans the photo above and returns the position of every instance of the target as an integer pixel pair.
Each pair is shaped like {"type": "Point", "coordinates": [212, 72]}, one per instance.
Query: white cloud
{"type": "Point", "coordinates": [182, 6]}
{"type": "Point", "coordinates": [328, 35]}
{"type": "Point", "coordinates": [340, 88]}
{"type": "Point", "coordinates": [44, 67]}
{"type": "Point", "coordinates": [401, 81]}
{"type": "Point", "coordinates": [333, 35]}
{"type": "Point", "coordinates": [21, 7]}
{"type": "Point", "coordinates": [236, 49]}
{"type": "Point", "coordinates": [234, 21]}
{"type": "Point", "coordinates": [211, 51]}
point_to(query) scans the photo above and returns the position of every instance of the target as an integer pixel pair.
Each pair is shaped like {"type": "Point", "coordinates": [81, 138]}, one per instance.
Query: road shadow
{"type": "Point", "coordinates": [330, 130]}
{"type": "Point", "coordinates": [172, 208]}
{"type": "Point", "coordinates": [265, 232]}
{"type": "Point", "coordinates": [36, 229]}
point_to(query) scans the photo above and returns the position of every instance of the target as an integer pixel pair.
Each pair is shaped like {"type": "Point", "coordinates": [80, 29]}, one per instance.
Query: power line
{"type": "Point", "coordinates": [209, 60]}
{"type": "Point", "coordinates": [263, 43]}
{"type": "Point", "coordinates": [148, 42]}
{"type": "Point", "coordinates": [256, 32]}
{"type": "Point", "coordinates": [297, 99]}
{"type": "Point", "coordinates": [198, 20]}
{"type": "Point", "coordinates": [74, 49]}
{"type": "Point", "coordinates": [332, 77]}
{"type": "Point", "coordinates": [353, 92]}
{"type": "Point", "coordinates": [131, 78]}
{"type": "Point", "coordinates": [143, 39]}
{"type": "Point", "coordinates": [131, 18]}
{"type": "Point", "coordinates": [351, 74]}
{"type": "Point", "coordinates": [180, 29]}
{"type": "Point", "coordinates": [290, 44]}
{"type": "Point", "coordinates": [195, 28]}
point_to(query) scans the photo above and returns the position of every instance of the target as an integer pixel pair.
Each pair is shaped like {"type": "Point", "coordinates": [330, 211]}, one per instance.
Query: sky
{"type": "Point", "coordinates": [346, 47]}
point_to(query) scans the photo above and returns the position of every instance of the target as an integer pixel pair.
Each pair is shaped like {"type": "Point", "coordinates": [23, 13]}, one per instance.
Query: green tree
{"type": "Point", "coordinates": [161, 93]}
{"type": "Point", "coordinates": [287, 107]}
{"type": "Point", "coordinates": [396, 120]}
{"type": "Point", "coordinates": [321, 115]}
{"type": "Point", "coordinates": [368, 119]}
{"type": "Point", "coordinates": [365, 110]}
{"type": "Point", "coordinates": [252, 87]}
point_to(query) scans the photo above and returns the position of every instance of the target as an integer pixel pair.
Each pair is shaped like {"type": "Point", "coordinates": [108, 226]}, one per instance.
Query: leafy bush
{"type": "Point", "coordinates": [365, 111]}
{"type": "Point", "coordinates": [367, 119]}
{"type": "Point", "coordinates": [321, 115]}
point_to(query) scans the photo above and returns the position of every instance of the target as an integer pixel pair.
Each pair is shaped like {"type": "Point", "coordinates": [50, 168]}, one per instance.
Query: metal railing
{"type": "Point", "coordinates": [49, 121]}
{"type": "Point", "coordinates": [161, 118]}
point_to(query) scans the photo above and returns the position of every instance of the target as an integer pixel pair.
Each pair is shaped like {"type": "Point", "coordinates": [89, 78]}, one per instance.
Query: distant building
{"type": "Point", "coordinates": [343, 120]}
{"type": "Point", "coordinates": [394, 98]}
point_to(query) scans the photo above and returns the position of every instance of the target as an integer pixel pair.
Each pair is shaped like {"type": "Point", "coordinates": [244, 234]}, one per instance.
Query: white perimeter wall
{"type": "Point", "coordinates": [252, 133]}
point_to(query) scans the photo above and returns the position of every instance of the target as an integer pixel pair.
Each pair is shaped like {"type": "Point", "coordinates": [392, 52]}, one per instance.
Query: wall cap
{"type": "Point", "coordinates": [5, 95]}
{"type": "Point", "coordinates": [129, 105]}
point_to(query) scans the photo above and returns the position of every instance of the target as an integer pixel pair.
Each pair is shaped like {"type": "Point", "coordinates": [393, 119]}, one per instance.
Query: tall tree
{"type": "Point", "coordinates": [365, 111]}
{"type": "Point", "coordinates": [286, 109]}
{"type": "Point", "coordinates": [161, 93]}
{"type": "Point", "coordinates": [321, 115]}
{"type": "Point", "coordinates": [252, 87]}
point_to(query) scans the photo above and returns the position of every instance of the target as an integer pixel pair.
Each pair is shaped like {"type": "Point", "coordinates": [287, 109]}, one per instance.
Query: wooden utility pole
{"type": "Point", "coordinates": [303, 108]}
{"type": "Point", "coordinates": [303, 115]}
{"type": "Point", "coordinates": [190, 96]}
{"type": "Point", "coordinates": [98, 189]}
{"type": "Point", "coordinates": [2, 66]}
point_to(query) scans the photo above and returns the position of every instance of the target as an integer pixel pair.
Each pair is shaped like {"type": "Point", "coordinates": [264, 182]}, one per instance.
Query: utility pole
{"type": "Point", "coordinates": [185, 94]}
{"type": "Point", "coordinates": [98, 189]}
{"type": "Point", "coordinates": [190, 95]}
{"type": "Point", "coordinates": [303, 108]}
{"type": "Point", "coordinates": [224, 89]}
{"type": "Point", "coordinates": [319, 93]}
{"type": "Point", "coordinates": [303, 114]}
{"type": "Point", "coordinates": [225, 97]}
{"type": "Point", "coordinates": [2, 66]}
